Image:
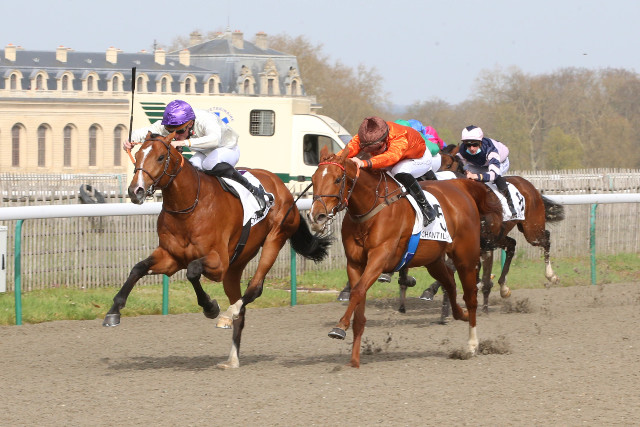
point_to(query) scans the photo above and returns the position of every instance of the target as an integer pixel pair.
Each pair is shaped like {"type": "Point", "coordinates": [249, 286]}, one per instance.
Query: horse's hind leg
{"type": "Point", "coordinates": [404, 281]}
{"type": "Point", "coordinates": [158, 263]}
{"type": "Point", "coordinates": [509, 246]}
{"type": "Point", "coordinates": [486, 283]}
{"type": "Point", "coordinates": [548, 272]}
{"type": "Point", "coordinates": [444, 275]}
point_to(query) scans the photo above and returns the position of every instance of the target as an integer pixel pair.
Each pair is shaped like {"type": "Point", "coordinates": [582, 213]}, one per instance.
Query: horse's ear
{"type": "Point", "coordinates": [324, 153]}
{"type": "Point", "coordinates": [343, 154]}
{"type": "Point", "coordinates": [171, 136]}
{"type": "Point", "coordinates": [148, 135]}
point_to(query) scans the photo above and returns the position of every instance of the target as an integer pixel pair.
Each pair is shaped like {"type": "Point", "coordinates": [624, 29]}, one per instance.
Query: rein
{"type": "Point", "coordinates": [153, 187]}
{"type": "Point", "coordinates": [375, 208]}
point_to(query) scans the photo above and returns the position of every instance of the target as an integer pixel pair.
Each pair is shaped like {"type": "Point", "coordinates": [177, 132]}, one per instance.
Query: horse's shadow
{"type": "Point", "coordinates": [184, 363]}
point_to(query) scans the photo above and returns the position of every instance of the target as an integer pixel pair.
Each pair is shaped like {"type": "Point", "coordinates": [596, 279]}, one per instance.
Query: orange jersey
{"type": "Point", "coordinates": [402, 143]}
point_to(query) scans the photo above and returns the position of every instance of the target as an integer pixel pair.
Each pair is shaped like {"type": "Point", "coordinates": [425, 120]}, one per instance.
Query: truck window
{"type": "Point", "coordinates": [262, 122]}
{"type": "Point", "coordinates": [311, 146]}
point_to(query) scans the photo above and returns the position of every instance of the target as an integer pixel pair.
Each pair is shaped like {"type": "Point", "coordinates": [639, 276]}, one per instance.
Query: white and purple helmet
{"type": "Point", "coordinates": [472, 133]}
{"type": "Point", "coordinates": [177, 113]}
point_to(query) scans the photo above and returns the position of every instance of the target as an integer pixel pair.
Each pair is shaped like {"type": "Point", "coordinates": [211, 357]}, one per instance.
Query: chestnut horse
{"type": "Point", "coordinates": [539, 211]}
{"type": "Point", "coordinates": [200, 228]}
{"type": "Point", "coordinates": [377, 228]}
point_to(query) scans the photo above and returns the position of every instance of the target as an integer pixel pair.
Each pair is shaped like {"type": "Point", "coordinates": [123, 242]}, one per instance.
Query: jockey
{"type": "Point", "coordinates": [214, 143]}
{"type": "Point", "coordinates": [485, 160]}
{"type": "Point", "coordinates": [398, 149]}
{"type": "Point", "coordinates": [434, 144]}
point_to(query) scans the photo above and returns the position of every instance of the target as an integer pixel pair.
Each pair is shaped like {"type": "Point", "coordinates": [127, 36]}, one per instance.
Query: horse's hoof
{"type": "Point", "coordinates": [506, 293]}
{"type": "Point", "coordinates": [227, 365]}
{"type": "Point", "coordinates": [427, 295]}
{"type": "Point", "coordinates": [410, 282]}
{"type": "Point", "coordinates": [338, 333]}
{"type": "Point", "coordinates": [344, 296]}
{"type": "Point", "coordinates": [384, 278]}
{"type": "Point", "coordinates": [111, 319]}
{"type": "Point", "coordinates": [402, 309]}
{"type": "Point", "coordinates": [213, 312]}
{"type": "Point", "coordinates": [224, 323]}
{"type": "Point", "coordinates": [485, 309]}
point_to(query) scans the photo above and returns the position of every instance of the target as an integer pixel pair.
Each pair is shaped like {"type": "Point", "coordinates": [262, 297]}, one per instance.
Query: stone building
{"type": "Point", "coordinates": [64, 111]}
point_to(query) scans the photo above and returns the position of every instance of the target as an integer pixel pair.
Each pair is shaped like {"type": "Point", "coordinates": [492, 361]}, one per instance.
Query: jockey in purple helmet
{"type": "Point", "coordinates": [213, 142]}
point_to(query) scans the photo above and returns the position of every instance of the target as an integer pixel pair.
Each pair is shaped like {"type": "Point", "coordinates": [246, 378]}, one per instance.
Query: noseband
{"type": "Point", "coordinates": [153, 187]}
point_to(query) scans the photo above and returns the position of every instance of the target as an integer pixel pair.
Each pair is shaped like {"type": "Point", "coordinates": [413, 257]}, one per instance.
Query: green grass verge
{"type": "Point", "coordinates": [85, 304]}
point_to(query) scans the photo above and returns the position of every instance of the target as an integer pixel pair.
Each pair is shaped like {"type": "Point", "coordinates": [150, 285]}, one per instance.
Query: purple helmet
{"type": "Point", "coordinates": [177, 113]}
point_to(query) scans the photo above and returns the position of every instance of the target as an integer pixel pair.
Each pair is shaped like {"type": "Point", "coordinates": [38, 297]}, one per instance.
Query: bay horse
{"type": "Point", "coordinates": [539, 210]}
{"type": "Point", "coordinates": [378, 226]}
{"type": "Point", "coordinates": [200, 229]}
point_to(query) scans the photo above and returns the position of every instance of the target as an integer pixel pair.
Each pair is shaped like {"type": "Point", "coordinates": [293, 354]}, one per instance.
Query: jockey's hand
{"type": "Point", "coordinates": [178, 144]}
{"type": "Point", "coordinates": [127, 145]}
{"type": "Point", "coordinates": [471, 175]}
{"type": "Point", "coordinates": [357, 161]}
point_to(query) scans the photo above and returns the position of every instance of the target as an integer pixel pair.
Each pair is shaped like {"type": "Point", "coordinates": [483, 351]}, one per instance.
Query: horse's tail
{"type": "Point", "coordinates": [309, 245]}
{"type": "Point", "coordinates": [553, 212]}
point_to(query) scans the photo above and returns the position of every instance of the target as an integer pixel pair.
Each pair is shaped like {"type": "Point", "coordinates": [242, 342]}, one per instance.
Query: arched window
{"type": "Point", "coordinates": [163, 85]}
{"type": "Point", "coordinates": [39, 82]}
{"type": "Point", "coordinates": [65, 82]}
{"type": "Point", "coordinates": [93, 144]}
{"type": "Point", "coordinates": [42, 146]}
{"type": "Point", "coordinates": [13, 82]}
{"type": "Point", "coordinates": [270, 86]}
{"type": "Point", "coordinates": [117, 146]}
{"type": "Point", "coordinates": [90, 84]}
{"type": "Point", "coordinates": [187, 85]}
{"type": "Point", "coordinates": [116, 84]}
{"type": "Point", "coordinates": [294, 87]}
{"type": "Point", "coordinates": [245, 87]}
{"type": "Point", "coordinates": [15, 145]}
{"type": "Point", "coordinates": [66, 149]}
{"type": "Point", "coordinates": [140, 84]}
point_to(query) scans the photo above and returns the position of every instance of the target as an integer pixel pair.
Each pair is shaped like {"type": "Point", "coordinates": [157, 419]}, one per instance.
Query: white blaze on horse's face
{"type": "Point", "coordinates": [145, 153]}
{"type": "Point", "coordinates": [324, 173]}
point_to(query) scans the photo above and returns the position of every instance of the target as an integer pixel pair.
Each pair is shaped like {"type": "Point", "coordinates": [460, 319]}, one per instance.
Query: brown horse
{"type": "Point", "coordinates": [377, 228]}
{"type": "Point", "coordinates": [201, 229]}
{"type": "Point", "coordinates": [539, 211]}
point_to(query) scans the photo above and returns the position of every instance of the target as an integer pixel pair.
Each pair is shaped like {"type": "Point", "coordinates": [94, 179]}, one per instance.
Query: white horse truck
{"type": "Point", "coordinates": [281, 135]}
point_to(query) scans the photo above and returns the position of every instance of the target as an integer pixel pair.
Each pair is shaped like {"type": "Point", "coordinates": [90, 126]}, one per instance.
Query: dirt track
{"type": "Point", "coordinates": [574, 359]}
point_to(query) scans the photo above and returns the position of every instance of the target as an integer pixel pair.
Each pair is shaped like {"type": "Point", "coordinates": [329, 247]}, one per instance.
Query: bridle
{"type": "Point", "coordinates": [172, 175]}
{"type": "Point", "coordinates": [343, 201]}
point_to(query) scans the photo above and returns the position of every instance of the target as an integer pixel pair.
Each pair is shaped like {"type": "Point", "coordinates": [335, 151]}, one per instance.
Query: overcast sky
{"type": "Point", "coordinates": [423, 49]}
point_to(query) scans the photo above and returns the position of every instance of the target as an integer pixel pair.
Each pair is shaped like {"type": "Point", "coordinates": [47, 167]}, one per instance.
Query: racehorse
{"type": "Point", "coordinates": [377, 229]}
{"type": "Point", "coordinates": [539, 210]}
{"type": "Point", "coordinates": [200, 228]}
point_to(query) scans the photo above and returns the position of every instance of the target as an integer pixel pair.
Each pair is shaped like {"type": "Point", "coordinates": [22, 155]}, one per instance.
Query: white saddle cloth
{"type": "Point", "coordinates": [249, 203]}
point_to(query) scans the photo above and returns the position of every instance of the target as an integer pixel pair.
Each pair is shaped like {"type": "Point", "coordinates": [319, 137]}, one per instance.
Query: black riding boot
{"type": "Point", "coordinates": [502, 186]}
{"type": "Point", "coordinates": [430, 176]}
{"type": "Point", "coordinates": [428, 213]}
{"type": "Point", "coordinates": [227, 171]}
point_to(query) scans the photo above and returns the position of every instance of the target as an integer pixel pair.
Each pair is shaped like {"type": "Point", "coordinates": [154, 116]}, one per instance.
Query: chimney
{"type": "Point", "coordinates": [185, 57]}
{"type": "Point", "coordinates": [159, 56]}
{"type": "Point", "coordinates": [112, 55]}
{"type": "Point", "coordinates": [61, 54]}
{"type": "Point", "coordinates": [10, 52]}
{"type": "Point", "coordinates": [195, 38]}
{"type": "Point", "coordinates": [237, 40]}
{"type": "Point", "coordinates": [261, 40]}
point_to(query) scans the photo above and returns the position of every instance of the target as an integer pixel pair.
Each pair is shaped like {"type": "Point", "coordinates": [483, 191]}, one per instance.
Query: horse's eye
{"type": "Point", "coordinates": [338, 180]}
{"type": "Point", "coordinates": [161, 158]}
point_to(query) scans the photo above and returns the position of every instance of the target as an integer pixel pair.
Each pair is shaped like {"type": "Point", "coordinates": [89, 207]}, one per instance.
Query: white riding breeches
{"type": "Point", "coordinates": [416, 167]}
{"type": "Point", "coordinates": [229, 155]}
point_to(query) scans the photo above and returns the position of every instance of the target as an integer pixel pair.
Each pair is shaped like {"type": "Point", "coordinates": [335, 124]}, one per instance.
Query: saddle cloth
{"type": "Point", "coordinates": [251, 209]}
{"type": "Point", "coordinates": [518, 202]}
{"type": "Point", "coordinates": [437, 230]}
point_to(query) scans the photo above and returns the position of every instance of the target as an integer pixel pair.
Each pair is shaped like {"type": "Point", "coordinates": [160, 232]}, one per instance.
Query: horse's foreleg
{"type": "Point", "coordinates": [231, 283]}
{"type": "Point", "coordinates": [509, 245]}
{"type": "Point", "coordinates": [234, 355]}
{"type": "Point", "coordinates": [158, 263]}
{"type": "Point", "coordinates": [439, 271]}
{"type": "Point", "coordinates": [195, 269]}
{"type": "Point", "coordinates": [356, 279]}
{"type": "Point", "coordinates": [359, 321]}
